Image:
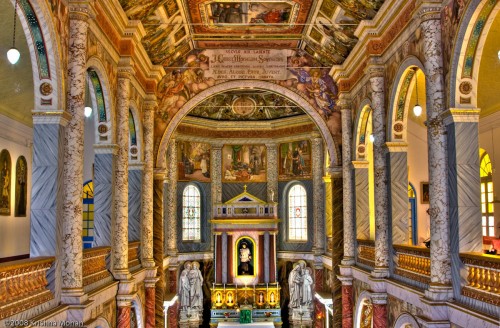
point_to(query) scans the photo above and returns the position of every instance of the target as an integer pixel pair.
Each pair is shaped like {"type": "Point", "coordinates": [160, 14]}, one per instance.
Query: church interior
{"type": "Point", "coordinates": [227, 163]}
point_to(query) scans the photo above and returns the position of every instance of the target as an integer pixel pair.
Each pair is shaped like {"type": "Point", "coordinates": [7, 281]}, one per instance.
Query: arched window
{"type": "Point", "coordinates": [412, 215]}
{"type": "Point", "coordinates": [88, 214]}
{"type": "Point", "coordinates": [488, 219]}
{"type": "Point", "coordinates": [297, 213]}
{"type": "Point", "coordinates": [191, 213]}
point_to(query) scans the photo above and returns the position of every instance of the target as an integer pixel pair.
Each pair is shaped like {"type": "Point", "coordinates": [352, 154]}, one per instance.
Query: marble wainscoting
{"type": "Point", "coordinates": [134, 202]}
{"type": "Point", "coordinates": [103, 200]}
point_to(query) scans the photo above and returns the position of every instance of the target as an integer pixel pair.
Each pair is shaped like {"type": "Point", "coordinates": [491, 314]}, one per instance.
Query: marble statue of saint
{"type": "Point", "coordinates": [245, 267]}
{"type": "Point", "coordinates": [196, 282]}
{"type": "Point", "coordinates": [307, 295]}
{"type": "Point", "coordinates": [295, 286]}
{"type": "Point", "coordinates": [185, 287]}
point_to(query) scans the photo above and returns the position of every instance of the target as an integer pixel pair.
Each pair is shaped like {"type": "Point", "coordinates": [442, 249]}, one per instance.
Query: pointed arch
{"type": "Point", "coordinates": [332, 147]}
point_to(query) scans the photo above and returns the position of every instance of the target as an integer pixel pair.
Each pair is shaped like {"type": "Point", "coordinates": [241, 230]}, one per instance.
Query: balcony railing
{"type": "Point", "coordinates": [94, 265]}
{"type": "Point", "coordinates": [483, 279]}
{"type": "Point", "coordinates": [413, 262]}
{"type": "Point", "coordinates": [366, 252]}
{"type": "Point", "coordinates": [23, 285]}
{"type": "Point", "coordinates": [133, 255]}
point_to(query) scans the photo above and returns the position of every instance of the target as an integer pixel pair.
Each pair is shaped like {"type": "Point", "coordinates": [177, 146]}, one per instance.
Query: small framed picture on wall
{"type": "Point", "coordinates": [424, 187]}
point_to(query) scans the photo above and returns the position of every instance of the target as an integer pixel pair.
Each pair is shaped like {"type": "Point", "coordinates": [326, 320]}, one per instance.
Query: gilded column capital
{"type": "Point", "coordinates": [51, 117]}
{"type": "Point", "coordinates": [429, 11]}
{"type": "Point", "coordinates": [159, 173]}
{"type": "Point", "coordinates": [375, 69]}
{"type": "Point", "coordinates": [344, 102]}
{"type": "Point", "coordinates": [150, 105]}
{"type": "Point", "coordinates": [81, 10]}
{"type": "Point", "coordinates": [461, 115]}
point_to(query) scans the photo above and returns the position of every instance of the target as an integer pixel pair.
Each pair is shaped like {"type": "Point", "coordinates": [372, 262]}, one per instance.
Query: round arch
{"type": "Point", "coordinates": [138, 308]}
{"type": "Point", "coordinates": [135, 151]}
{"type": "Point", "coordinates": [406, 319]}
{"type": "Point", "coordinates": [363, 299]}
{"type": "Point", "coordinates": [250, 84]}
{"type": "Point", "coordinates": [44, 55]}
{"type": "Point", "coordinates": [465, 63]}
{"type": "Point", "coordinates": [100, 322]}
{"type": "Point", "coordinates": [360, 130]}
{"type": "Point", "coordinates": [103, 131]}
{"type": "Point", "coordinates": [397, 119]}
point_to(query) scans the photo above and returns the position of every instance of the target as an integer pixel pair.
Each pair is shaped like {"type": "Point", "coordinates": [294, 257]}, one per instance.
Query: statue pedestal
{"type": "Point", "coordinates": [190, 319]}
{"type": "Point", "coordinates": [301, 317]}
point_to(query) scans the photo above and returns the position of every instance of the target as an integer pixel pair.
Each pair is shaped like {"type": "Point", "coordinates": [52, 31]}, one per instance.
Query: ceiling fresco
{"type": "Point", "coordinates": [246, 105]}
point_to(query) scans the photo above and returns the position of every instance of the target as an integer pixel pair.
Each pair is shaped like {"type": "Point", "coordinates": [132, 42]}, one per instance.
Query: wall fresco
{"type": "Point", "coordinates": [241, 163]}
{"type": "Point", "coordinates": [295, 160]}
{"type": "Point", "coordinates": [193, 161]}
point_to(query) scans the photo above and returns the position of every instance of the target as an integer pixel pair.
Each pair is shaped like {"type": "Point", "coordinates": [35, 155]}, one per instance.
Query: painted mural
{"type": "Point", "coordinates": [5, 182]}
{"type": "Point", "coordinates": [242, 163]}
{"type": "Point", "coordinates": [21, 186]}
{"type": "Point", "coordinates": [295, 160]}
{"type": "Point", "coordinates": [193, 161]}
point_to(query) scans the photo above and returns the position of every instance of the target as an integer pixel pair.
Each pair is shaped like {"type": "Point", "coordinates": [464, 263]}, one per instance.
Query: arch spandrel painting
{"type": "Point", "coordinates": [244, 163]}
{"type": "Point", "coordinates": [21, 186]}
{"type": "Point", "coordinates": [5, 182]}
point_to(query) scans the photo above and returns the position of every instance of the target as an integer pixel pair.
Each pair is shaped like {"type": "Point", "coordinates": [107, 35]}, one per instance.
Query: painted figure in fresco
{"type": "Point", "coordinates": [298, 162]}
{"type": "Point", "coordinates": [228, 175]}
{"type": "Point", "coordinates": [196, 284]}
{"type": "Point", "coordinates": [245, 267]}
{"type": "Point", "coordinates": [6, 185]}
{"type": "Point", "coordinates": [204, 166]}
{"type": "Point", "coordinates": [234, 14]}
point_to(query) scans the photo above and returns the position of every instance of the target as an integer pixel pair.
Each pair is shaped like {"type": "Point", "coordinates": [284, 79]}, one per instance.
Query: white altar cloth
{"type": "Point", "coordinates": [246, 325]}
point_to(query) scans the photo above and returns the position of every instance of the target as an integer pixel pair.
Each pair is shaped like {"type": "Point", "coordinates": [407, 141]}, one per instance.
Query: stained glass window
{"type": "Point", "coordinates": [191, 213]}
{"type": "Point", "coordinates": [297, 213]}
{"type": "Point", "coordinates": [488, 219]}
{"type": "Point", "coordinates": [88, 214]}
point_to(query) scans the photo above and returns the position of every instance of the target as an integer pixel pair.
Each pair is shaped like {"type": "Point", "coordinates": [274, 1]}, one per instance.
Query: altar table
{"type": "Point", "coordinates": [246, 325]}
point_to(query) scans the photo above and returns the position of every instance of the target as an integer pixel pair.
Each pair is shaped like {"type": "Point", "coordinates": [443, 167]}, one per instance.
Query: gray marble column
{"type": "Point", "coordinates": [440, 286]}
{"type": "Point", "coordinates": [72, 254]}
{"type": "Point", "coordinates": [104, 162]}
{"type": "Point", "coordinates": [224, 258]}
{"type": "Point", "coordinates": [318, 206]}
{"type": "Point", "coordinates": [147, 185]}
{"type": "Point", "coordinates": [272, 172]}
{"type": "Point", "coordinates": [398, 194]}
{"type": "Point", "coordinates": [158, 242]}
{"type": "Point", "coordinates": [171, 228]}
{"type": "Point", "coordinates": [349, 228]}
{"type": "Point", "coordinates": [47, 190]}
{"type": "Point", "coordinates": [135, 174]}
{"type": "Point", "coordinates": [267, 251]}
{"type": "Point", "coordinates": [216, 173]}
{"type": "Point", "coordinates": [362, 199]}
{"type": "Point", "coordinates": [119, 247]}
{"type": "Point", "coordinates": [465, 189]}
{"type": "Point", "coordinates": [382, 238]}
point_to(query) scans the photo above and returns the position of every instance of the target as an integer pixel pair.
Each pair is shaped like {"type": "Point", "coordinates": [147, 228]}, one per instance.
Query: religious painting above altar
{"type": "Point", "coordinates": [193, 161]}
{"type": "Point", "coordinates": [295, 160]}
{"type": "Point", "coordinates": [244, 163]}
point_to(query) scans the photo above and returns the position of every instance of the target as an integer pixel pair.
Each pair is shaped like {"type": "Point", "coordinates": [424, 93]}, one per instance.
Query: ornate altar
{"type": "Point", "coordinates": [246, 287]}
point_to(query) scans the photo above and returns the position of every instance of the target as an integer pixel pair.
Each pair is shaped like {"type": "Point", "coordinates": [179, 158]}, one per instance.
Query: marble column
{"type": "Point", "coordinates": [171, 228]}
{"type": "Point", "coordinates": [224, 258]}
{"type": "Point", "coordinates": [362, 199]}
{"type": "Point", "coordinates": [347, 297]}
{"type": "Point", "coordinates": [72, 254]}
{"type": "Point", "coordinates": [216, 172]}
{"type": "Point", "coordinates": [150, 305]}
{"type": "Point", "coordinates": [382, 238]}
{"type": "Point", "coordinates": [135, 174]}
{"type": "Point", "coordinates": [267, 263]}
{"type": "Point", "coordinates": [379, 301]}
{"type": "Point", "coordinates": [158, 243]}
{"type": "Point", "coordinates": [398, 194]}
{"type": "Point", "coordinates": [465, 191]}
{"type": "Point", "coordinates": [349, 228]}
{"type": "Point", "coordinates": [272, 172]}
{"type": "Point", "coordinates": [104, 162]}
{"type": "Point", "coordinates": [318, 206]}
{"type": "Point", "coordinates": [124, 313]}
{"type": "Point", "coordinates": [47, 190]}
{"type": "Point", "coordinates": [336, 177]}
{"type": "Point", "coordinates": [440, 286]}
{"type": "Point", "coordinates": [119, 247]}
{"type": "Point", "coordinates": [147, 185]}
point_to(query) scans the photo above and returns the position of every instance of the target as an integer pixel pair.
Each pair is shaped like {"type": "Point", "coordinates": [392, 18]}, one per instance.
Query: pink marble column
{"type": "Point", "coordinates": [348, 182]}
{"type": "Point", "coordinates": [120, 223]}
{"type": "Point", "coordinates": [150, 306]}
{"type": "Point", "coordinates": [440, 286]}
{"type": "Point", "coordinates": [347, 304]}
{"type": "Point", "coordinates": [380, 315]}
{"type": "Point", "coordinates": [380, 172]}
{"type": "Point", "coordinates": [71, 239]}
{"type": "Point", "coordinates": [123, 315]}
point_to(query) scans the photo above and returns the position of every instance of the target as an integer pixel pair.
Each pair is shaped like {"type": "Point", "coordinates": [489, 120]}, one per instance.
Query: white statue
{"type": "Point", "coordinates": [185, 287]}
{"type": "Point", "coordinates": [307, 295]}
{"type": "Point", "coordinates": [196, 282]}
{"type": "Point", "coordinates": [300, 282]}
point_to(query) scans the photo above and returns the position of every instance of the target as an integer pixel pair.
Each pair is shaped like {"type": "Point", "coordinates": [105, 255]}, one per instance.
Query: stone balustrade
{"type": "Point", "coordinates": [23, 285]}
{"type": "Point", "coordinates": [483, 279]}
{"type": "Point", "coordinates": [133, 255]}
{"type": "Point", "coordinates": [413, 262]}
{"type": "Point", "coordinates": [94, 265]}
{"type": "Point", "coordinates": [366, 252]}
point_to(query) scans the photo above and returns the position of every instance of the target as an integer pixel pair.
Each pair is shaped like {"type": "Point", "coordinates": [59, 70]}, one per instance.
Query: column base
{"type": "Point", "coordinates": [439, 293]}
{"type": "Point", "coordinates": [73, 296]}
{"type": "Point", "coordinates": [348, 261]}
{"type": "Point", "coordinates": [380, 272]}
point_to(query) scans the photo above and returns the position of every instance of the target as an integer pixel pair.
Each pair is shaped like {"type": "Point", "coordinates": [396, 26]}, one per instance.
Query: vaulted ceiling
{"type": "Point", "coordinates": [324, 29]}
